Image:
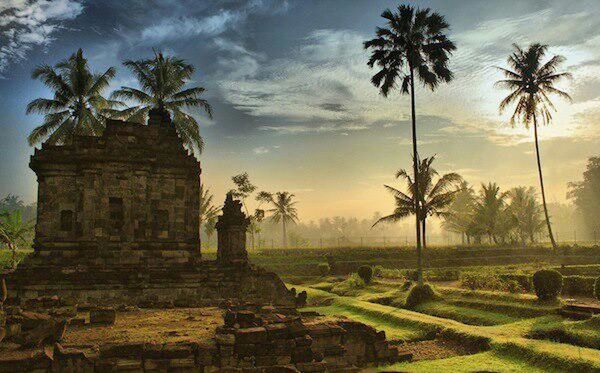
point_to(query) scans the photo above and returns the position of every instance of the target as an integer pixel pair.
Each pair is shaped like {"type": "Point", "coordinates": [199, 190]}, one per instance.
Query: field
{"type": "Point", "coordinates": [485, 316]}
{"type": "Point", "coordinates": [497, 326]}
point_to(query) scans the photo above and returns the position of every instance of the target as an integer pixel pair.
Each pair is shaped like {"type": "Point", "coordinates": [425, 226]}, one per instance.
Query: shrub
{"type": "Point", "coordinates": [547, 284]}
{"type": "Point", "coordinates": [323, 269]}
{"type": "Point", "coordinates": [597, 288]}
{"type": "Point", "coordinates": [419, 294]}
{"type": "Point", "coordinates": [366, 273]}
{"type": "Point", "coordinates": [578, 285]}
{"type": "Point", "coordinates": [353, 282]}
{"type": "Point", "coordinates": [378, 271]}
{"type": "Point", "coordinates": [476, 281]}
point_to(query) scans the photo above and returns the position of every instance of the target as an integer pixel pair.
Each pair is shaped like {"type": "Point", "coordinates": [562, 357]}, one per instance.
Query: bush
{"type": "Point", "coordinates": [366, 273]}
{"type": "Point", "coordinates": [378, 271]}
{"type": "Point", "coordinates": [547, 284]}
{"type": "Point", "coordinates": [323, 269]}
{"type": "Point", "coordinates": [352, 283]}
{"type": "Point", "coordinates": [476, 281]}
{"type": "Point", "coordinates": [597, 288]}
{"type": "Point", "coordinates": [578, 285]}
{"type": "Point", "coordinates": [419, 294]}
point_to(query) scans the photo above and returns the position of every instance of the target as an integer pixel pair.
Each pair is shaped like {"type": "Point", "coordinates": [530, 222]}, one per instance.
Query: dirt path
{"type": "Point", "coordinates": [434, 349]}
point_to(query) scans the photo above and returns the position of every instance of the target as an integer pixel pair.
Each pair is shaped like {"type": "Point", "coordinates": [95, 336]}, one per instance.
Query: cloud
{"type": "Point", "coordinates": [261, 150]}
{"type": "Point", "coordinates": [27, 24]}
{"type": "Point", "coordinates": [181, 25]}
{"type": "Point", "coordinates": [184, 27]}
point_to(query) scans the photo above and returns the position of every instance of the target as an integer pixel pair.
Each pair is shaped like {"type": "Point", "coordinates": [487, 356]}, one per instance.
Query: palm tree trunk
{"type": "Point", "coordinates": [416, 177]}
{"type": "Point", "coordinates": [423, 232]}
{"type": "Point", "coordinates": [539, 164]}
{"type": "Point", "coordinates": [284, 240]}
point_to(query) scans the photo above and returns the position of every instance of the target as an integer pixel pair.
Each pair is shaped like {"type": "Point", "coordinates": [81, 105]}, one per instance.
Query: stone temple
{"type": "Point", "coordinates": [118, 223]}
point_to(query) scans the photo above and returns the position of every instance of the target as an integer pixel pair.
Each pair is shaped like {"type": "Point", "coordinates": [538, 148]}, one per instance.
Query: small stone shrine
{"type": "Point", "coordinates": [231, 234]}
{"type": "Point", "coordinates": [118, 224]}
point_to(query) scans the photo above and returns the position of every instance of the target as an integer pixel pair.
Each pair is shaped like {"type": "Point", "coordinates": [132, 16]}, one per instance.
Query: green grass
{"type": "Point", "coordinates": [485, 361]}
{"type": "Point", "coordinates": [395, 332]}
{"type": "Point", "coordinates": [507, 342]}
{"type": "Point", "coordinates": [580, 333]}
{"type": "Point", "coordinates": [465, 315]}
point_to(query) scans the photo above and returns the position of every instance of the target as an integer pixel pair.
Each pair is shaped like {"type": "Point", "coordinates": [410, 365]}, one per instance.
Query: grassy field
{"type": "Point", "coordinates": [504, 331]}
{"type": "Point", "coordinates": [512, 345]}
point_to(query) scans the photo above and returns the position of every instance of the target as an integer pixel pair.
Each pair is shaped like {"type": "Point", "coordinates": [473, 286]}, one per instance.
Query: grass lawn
{"type": "Point", "coordinates": [510, 348]}
{"type": "Point", "coordinates": [485, 361]}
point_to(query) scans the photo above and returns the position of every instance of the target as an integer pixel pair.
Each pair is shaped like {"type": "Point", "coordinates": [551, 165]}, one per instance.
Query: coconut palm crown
{"type": "Point", "coordinates": [78, 107]}
{"type": "Point", "coordinates": [412, 43]}
{"type": "Point", "coordinates": [284, 211]}
{"type": "Point", "coordinates": [435, 197]}
{"type": "Point", "coordinates": [162, 81]}
{"type": "Point", "coordinates": [532, 82]}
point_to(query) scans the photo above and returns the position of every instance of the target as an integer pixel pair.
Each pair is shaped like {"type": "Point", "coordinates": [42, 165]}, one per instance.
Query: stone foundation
{"type": "Point", "coordinates": [203, 284]}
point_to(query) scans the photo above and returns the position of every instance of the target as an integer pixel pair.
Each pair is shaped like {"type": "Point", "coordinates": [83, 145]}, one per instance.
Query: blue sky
{"type": "Point", "coordinates": [290, 89]}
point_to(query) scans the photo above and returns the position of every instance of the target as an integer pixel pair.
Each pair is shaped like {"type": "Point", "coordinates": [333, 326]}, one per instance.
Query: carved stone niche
{"type": "Point", "coordinates": [231, 233]}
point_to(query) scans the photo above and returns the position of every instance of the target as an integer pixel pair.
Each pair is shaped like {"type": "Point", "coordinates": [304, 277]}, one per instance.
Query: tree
{"type": "Point", "coordinates": [162, 81]}
{"type": "Point", "coordinates": [525, 213]}
{"type": "Point", "coordinates": [413, 45]}
{"type": "Point", "coordinates": [586, 196]}
{"type": "Point", "coordinates": [244, 188]}
{"type": "Point", "coordinates": [208, 211]}
{"type": "Point", "coordinates": [78, 107]}
{"type": "Point", "coordinates": [283, 211]}
{"type": "Point", "coordinates": [210, 227]}
{"type": "Point", "coordinates": [459, 217]}
{"type": "Point", "coordinates": [531, 83]}
{"type": "Point", "coordinates": [488, 211]}
{"type": "Point", "coordinates": [13, 231]}
{"type": "Point", "coordinates": [435, 197]}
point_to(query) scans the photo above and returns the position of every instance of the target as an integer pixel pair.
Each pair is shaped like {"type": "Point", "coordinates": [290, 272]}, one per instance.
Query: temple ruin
{"type": "Point", "coordinates": [118, 223]}
{"type": "Point", "coordinates": [117, 283]}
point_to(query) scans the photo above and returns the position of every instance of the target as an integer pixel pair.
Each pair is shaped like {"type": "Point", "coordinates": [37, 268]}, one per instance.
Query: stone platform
{"type": "Point", "coordinates": [205, 283]}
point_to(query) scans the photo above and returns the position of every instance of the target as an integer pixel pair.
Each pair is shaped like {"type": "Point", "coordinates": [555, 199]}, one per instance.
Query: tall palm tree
{"type": "Point", "coordinates": [283, 211]}
{"type": "Point", "coordinates": [78, 107]}
{"type": "Point", "coordinates": [435, 197]}
{"type": "Point", "coordinates": [531, 82]}
{"type": "Point", "coordinates": [13, 230]}
{"type": "Point", "coordinates": [412, 46]}
{"type": "Point", "coordinates": [162, 81]}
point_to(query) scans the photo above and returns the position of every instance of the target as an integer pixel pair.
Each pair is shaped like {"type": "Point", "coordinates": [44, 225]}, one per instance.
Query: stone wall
{"type": "Point", "coordinates": [133, 189]}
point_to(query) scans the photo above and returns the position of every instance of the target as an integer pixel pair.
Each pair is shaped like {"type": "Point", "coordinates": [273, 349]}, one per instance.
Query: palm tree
{"type": "Point", "coordinates": [525, 212]}
{"type": "Point", "coordinates": [459, 218]}
{"type": "Point", "coordinates": [435, 197]}
{"type": "Point", "coordinates": [488, 211]}
{"type": "Point", "coordinates": [207, 211]}
{"type": "Point", "coordinates": [162, 81]}
{"type": "Point", "coordinates": [210, 227]}
{"type": "Point", "coordinates": [413, 45]}
{"type": "Point", "coordinates": [283, 211]}
{"type": "Point", "coordinates": [531, 83]}
{"type": "Point", "coordinates": [78, 107]}
{"type": "Point", "coordinates": [13, 230]}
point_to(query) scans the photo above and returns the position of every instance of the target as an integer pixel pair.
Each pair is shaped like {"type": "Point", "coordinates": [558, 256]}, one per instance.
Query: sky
{"type": "Point", "coordinates": [291, 93]}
